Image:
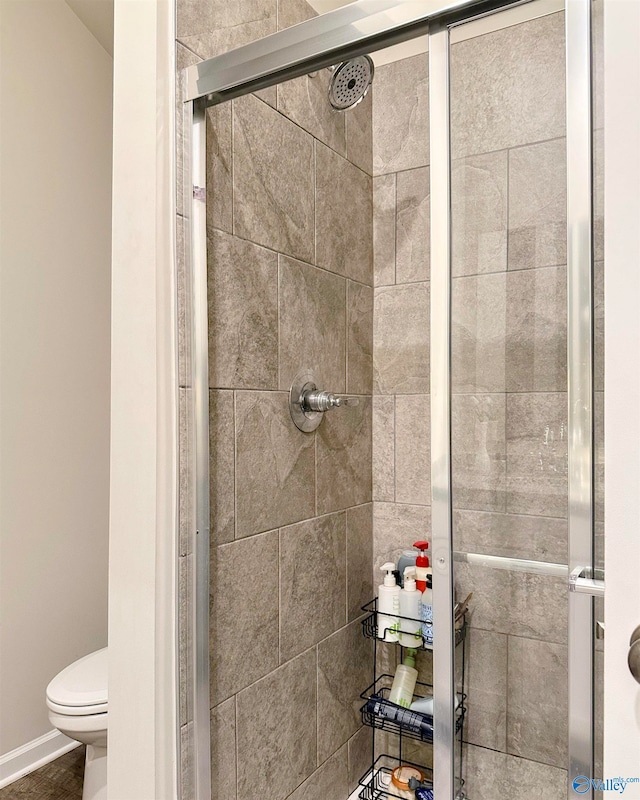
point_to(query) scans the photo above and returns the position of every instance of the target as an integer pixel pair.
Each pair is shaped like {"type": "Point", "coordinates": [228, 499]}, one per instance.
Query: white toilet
{"type": "Point", "coordinates": [77, 703]}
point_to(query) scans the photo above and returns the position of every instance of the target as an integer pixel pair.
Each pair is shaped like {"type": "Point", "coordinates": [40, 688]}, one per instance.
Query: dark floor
{"type": "Point", "coordinates": [59, 780]}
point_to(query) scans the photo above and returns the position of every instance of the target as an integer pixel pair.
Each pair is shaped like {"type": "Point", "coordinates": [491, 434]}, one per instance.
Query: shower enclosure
{"type": "Point", "coordinates": [434, 257]}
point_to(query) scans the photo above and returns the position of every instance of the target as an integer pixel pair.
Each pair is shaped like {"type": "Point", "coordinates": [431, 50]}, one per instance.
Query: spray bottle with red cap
{"type": "Point", "coordinates": [423, 584]}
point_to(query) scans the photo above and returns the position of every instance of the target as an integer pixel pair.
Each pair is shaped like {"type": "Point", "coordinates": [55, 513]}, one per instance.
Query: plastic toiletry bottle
{"type": "Point", "coordinates": [404, 681]}
{"type": "Point", "coordinates": [407, 559]}
{"type": "Point", "coordinates": [422, 565]}
{"type": "Point", "coordinates": [427, 613]}
{"type": "Point", "coordinates": [388, 605]}
{"type": "Point", "coordinates": [410, 606]}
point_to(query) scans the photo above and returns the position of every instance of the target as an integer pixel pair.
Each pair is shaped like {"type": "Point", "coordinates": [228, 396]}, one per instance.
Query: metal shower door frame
{"type": "Point", "coordinates": [363, 27]}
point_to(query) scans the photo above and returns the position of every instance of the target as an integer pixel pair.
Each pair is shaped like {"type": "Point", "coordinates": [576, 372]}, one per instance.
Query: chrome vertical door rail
{"type": "Point", "coordinates": [196, 207]}
{"type": "Point", "coordinates": [443, 624]}
{"type": "Point", "coordinates": [580, 383]}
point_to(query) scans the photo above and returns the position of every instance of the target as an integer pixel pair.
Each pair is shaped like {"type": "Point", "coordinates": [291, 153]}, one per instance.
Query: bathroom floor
{"type": "Point", "coordinates": [59, 780]}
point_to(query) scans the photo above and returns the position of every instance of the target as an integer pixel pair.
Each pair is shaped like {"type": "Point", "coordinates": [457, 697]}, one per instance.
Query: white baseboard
{"type": "Point", "coordinates": [30, 756]}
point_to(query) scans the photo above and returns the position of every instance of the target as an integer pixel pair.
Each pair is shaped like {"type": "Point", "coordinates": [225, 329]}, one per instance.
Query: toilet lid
{"type": "Point", "coordinates": [83, 683]}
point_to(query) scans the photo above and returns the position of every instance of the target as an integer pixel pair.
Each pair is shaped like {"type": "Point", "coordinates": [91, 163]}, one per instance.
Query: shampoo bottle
{"type": "Point", "coordinates": [410, 606]}
{"type": "Point", "coordinates": [422, 565]}
{"type": "Point", "coordinates": [404, 681]}
{"type": "Point", "coordinates": [388, 605]}
{"type": "Point", "coordinates": [427, 613]}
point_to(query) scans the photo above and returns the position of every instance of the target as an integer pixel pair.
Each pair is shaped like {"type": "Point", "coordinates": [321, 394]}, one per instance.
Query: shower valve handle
{"type": "Point", "coordinates": [315, 400]}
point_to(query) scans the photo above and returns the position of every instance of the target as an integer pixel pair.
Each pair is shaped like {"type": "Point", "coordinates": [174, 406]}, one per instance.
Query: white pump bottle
{"type": "Point", "coordinates": [388, 605]}
{"type": "Point", "coordinates": [411, 608]}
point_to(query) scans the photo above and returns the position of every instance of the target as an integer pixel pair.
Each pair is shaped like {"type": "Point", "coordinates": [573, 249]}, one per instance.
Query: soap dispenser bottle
{"type": "Point", "coordinates": [388, 605]}
{"type": "Point", "coordinates": [410, 607]}
{"type": "Point", "coordinates": [422, 565]}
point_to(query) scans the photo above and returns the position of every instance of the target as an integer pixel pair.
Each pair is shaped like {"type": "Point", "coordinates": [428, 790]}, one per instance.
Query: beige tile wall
{"type": "Point", "coordinates": [290, 280]}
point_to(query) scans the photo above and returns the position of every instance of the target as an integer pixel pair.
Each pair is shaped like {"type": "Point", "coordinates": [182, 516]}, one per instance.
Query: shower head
{"type": "Point", "coordinates": [350, 83]}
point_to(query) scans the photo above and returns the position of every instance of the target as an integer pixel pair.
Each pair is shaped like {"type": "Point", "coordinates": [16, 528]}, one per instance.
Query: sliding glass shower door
{"type": "Point", "coordinates": [515, 412]}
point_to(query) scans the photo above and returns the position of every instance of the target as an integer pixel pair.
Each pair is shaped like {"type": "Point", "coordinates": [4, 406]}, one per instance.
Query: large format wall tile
{"type": "Point", "coordinates": [478, 322]}
{"type": "Point", "coordinates": [359, 559]}
{"type": "Point", "coordinates": [536, 330]}
{"type": "Point", "coordinates": [511, 535]}
{"type": "Point", "coordinates": [537, 454]}
{"type": "Point", "coordinates": [273, 180]}
{"type": "Point", "coordinates": [277, 732]}
{"type": "Point", "coordinates": [478, 452]}
{"type": "Point", "coordinates": [538, 205]}
{"type": "Point", "coordinates": [221, 466]}
{"type": "Point", "coordinates": [401, 352]}
{"type": "Point", "coordinates": [383, 450]}
{"type": "Point", "coordinates": [491, 775]}
{"type": "Point", "coordinates": [401, 115]}
{"type": "Point", "coordinates": [330, 782]}
{"type": "Point", "coordinates": [359, 134]}
{"type": "Point", "coordinates": [384, 230]}
{"type": "Point", "coordinates": [211, 27]}
{"type": "Point", "coordinates": [344, 670]}
{"type": "Point", "coordinates": [359, 756]}
{"type": "Point", "coordinates": [343, 460]}
{"type": "Point", "coordinates": [344, 217]}
{"type": "Point", "coordinates": [413, 453]}
{"type": "Point", "coordinates": [219, 168]}
{"type": "Point", "coordinates": [517, 603]}
{"type": "Point", "coordinates": [275, 471]}
{"type": "Point", "coordinates": [498, 101]}
{"type": "Point", "coordinates": [486, 672]}
{"type": "Point", "coordinates": [413, 224]}
{"type": "Point", "coordinates": [304, 100]}
{"type": "Point", "coordinates": [359, 338]}
{"type": "Point", "coordinates": [243, 314]}
{"type": "Point", "coordinates": [479, 214]}
{"type": "Point", "coordinates": [223, 749]}
{"type": "Point", "coordinates": [395, 528]}
{"type": "Point", "coordinates": [312, 582]}
{"type": "Point", "coordinates": [293, 12]}
{"type": "Point", "coordinates": [537, 701]}
{"type": "Point", "coordinates": [312, 305]}
{"type": "Point", "coordinates": [243, 636]}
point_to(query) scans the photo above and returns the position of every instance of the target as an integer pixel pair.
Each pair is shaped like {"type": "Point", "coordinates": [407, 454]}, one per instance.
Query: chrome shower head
{"type": "Point", "coordinates": [350, 83]}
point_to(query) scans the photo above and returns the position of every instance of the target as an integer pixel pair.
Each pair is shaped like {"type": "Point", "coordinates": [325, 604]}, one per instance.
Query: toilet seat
{"type": "Point", "coordinates": [77, 711]}
{"type": "Point", "coordinates": [81, 688]}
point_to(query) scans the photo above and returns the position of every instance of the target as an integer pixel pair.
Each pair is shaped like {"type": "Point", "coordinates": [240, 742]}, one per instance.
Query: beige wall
{"type": "Point", "coordinates": [55, 215]}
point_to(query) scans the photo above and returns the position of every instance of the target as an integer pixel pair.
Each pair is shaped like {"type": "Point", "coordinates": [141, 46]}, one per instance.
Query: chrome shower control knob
{"type": "Point", "coordinates": [313, 400]}
{"type": "Point", "coordinates": [308, 404]}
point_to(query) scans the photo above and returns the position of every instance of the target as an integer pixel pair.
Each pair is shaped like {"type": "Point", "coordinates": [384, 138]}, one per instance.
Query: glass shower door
{"type": "Point", "coordinates": [520, 407]}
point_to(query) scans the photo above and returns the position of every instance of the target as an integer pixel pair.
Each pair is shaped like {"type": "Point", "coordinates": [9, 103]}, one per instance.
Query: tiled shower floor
{"type": "Point", "coordinates": [59, 780]}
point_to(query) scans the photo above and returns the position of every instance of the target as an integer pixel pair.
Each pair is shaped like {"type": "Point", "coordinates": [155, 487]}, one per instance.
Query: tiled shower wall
{"type": "Point", "coordinates": [508, 375]}
{"type": "Point", "coordinates": [289, 227]}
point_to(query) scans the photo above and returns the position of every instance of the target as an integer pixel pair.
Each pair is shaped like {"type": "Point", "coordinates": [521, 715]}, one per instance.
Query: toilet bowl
{"type": "Point", "coordinates": [77, 703]}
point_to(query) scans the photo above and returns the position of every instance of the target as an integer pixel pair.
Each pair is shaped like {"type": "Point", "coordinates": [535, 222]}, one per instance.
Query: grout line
{"type": "Point", "coordinates": [233, 169]}
{"type": "Point", "coordinates": [347, 332]}
{"type": "Point", "coordinates": [269, 249]}
{"type": "Point", "coordinates": [279, 596]}
{"type": "Point", "coordinates": [315, 202]}
{"type": "Point", "coordinates": [235, 466]}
